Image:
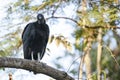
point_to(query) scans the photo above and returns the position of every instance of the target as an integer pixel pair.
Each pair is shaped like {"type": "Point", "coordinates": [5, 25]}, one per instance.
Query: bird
{"type": "Point", "coordinates": [35, 38]}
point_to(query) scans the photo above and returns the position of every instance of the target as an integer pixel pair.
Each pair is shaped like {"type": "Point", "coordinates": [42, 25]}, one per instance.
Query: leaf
{"type": "Point", "coordinates": [58, 40]}
{"type": "Point", "coordinates": [69, 47]}
{"type": "Point", "coordinates": [58, 57]}
{"type": "Point", "coordinates": [43, 5]}
{"type": "Point", "coordinates": [51, 39]}
{"type": "Point", "coordinates": [27, 18]}
{"type": "Point", "coordinates": [34, 8]}
{"type": "Point", "coordinates": [18, 3]}
{"type": "Point", "coordinates": [26, 1]}
{"type": "Point", "coordinates": [58, 65]}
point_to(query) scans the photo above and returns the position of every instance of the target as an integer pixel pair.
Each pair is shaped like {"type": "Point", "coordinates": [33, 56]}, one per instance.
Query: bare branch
{"type": "Point", "coordinates": [85, 26]}
{"type": "Point", "coordinates": [62, 18]}
{"type": "Point", "coordinates": [34, 66]}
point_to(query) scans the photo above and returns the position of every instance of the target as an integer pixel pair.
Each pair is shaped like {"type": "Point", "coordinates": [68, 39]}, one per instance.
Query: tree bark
{"type": "Point", "coordinates": [99, 53]}
{"type": "Point", "coordinates": [34, 66]}
{"type": "Point", "coordinates": [86, 58]}
{"type": "Point", "coordinates": [81, 69]}
{"type": "Point", "coordinates": [88, 61]}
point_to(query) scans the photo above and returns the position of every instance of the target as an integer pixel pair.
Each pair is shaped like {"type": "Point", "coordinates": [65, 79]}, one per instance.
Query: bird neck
{"type": "Point", "coordinates": [41, 21]}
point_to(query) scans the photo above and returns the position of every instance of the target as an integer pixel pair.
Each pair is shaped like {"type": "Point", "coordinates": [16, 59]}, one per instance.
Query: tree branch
{"type": "Point", "coordinates": [85, 26]}
{"type": "Point", "coordinates": [34, 66]}
{"type": "Point", "coordinates": [62, 18]}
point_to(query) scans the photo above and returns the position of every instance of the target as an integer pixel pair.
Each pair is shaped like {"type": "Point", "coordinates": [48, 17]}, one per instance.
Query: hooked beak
{"type": "Point", "coordinates": [39, 17]}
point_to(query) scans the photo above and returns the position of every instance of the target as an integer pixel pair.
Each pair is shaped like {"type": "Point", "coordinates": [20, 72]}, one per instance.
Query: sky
{"type": "Point", "coordinates": [61, 27]}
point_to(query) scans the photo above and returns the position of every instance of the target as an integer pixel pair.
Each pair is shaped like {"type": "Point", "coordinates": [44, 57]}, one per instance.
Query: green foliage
{"type": "Point", "coordinates": [27, 18]}
{"type": "Point", "coordinates": [103, 14]}
{"type": "Point", "coordinates": [18, 3]}
{"type": "Point", "coordinates": [10, 42]}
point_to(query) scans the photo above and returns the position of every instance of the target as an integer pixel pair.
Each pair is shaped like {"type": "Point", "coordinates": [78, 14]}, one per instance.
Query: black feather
{"type": "Point", "coordinates": [35, 37]}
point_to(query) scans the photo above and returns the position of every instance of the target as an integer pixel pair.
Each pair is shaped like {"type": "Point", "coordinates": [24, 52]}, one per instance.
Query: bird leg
{"type": "Point", "coordinates": [38, 57]}
{"type": "Point", "coordinates": [32, 55]}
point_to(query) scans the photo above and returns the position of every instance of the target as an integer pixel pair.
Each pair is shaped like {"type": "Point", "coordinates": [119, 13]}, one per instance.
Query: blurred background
{"type": "Point", "coordinates": [84, 37]}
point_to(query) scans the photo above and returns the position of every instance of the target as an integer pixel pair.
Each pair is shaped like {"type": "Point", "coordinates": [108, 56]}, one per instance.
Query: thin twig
{"type": "Point", "coordinates": [72, 63]}
{"type": "Point", "coordinates": [62, 18]}
{"type": "Point", "coordinates": [112, 56]}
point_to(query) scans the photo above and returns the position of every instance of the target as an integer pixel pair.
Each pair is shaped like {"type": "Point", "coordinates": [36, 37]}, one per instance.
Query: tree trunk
{"type": "Point", "coordinates": [99, 53]}
{"type": "Point", "coordinates": [86, 58]}
{"type": "Point", "coordinates": [80, 69]}
{"type": "Point", "coordinates": [88, 61]}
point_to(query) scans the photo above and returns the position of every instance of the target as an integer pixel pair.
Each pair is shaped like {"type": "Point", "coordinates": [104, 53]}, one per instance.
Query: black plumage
{"type": "Point", "coordinates": [35, 37]}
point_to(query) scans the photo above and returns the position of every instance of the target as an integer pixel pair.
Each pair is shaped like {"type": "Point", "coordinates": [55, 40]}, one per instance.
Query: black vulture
{"type": "Point", "coordinates": [35, 37]}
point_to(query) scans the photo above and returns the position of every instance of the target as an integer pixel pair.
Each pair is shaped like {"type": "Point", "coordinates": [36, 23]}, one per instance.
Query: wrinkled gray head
{"type": "Point", "coordinates": [40, 19]}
